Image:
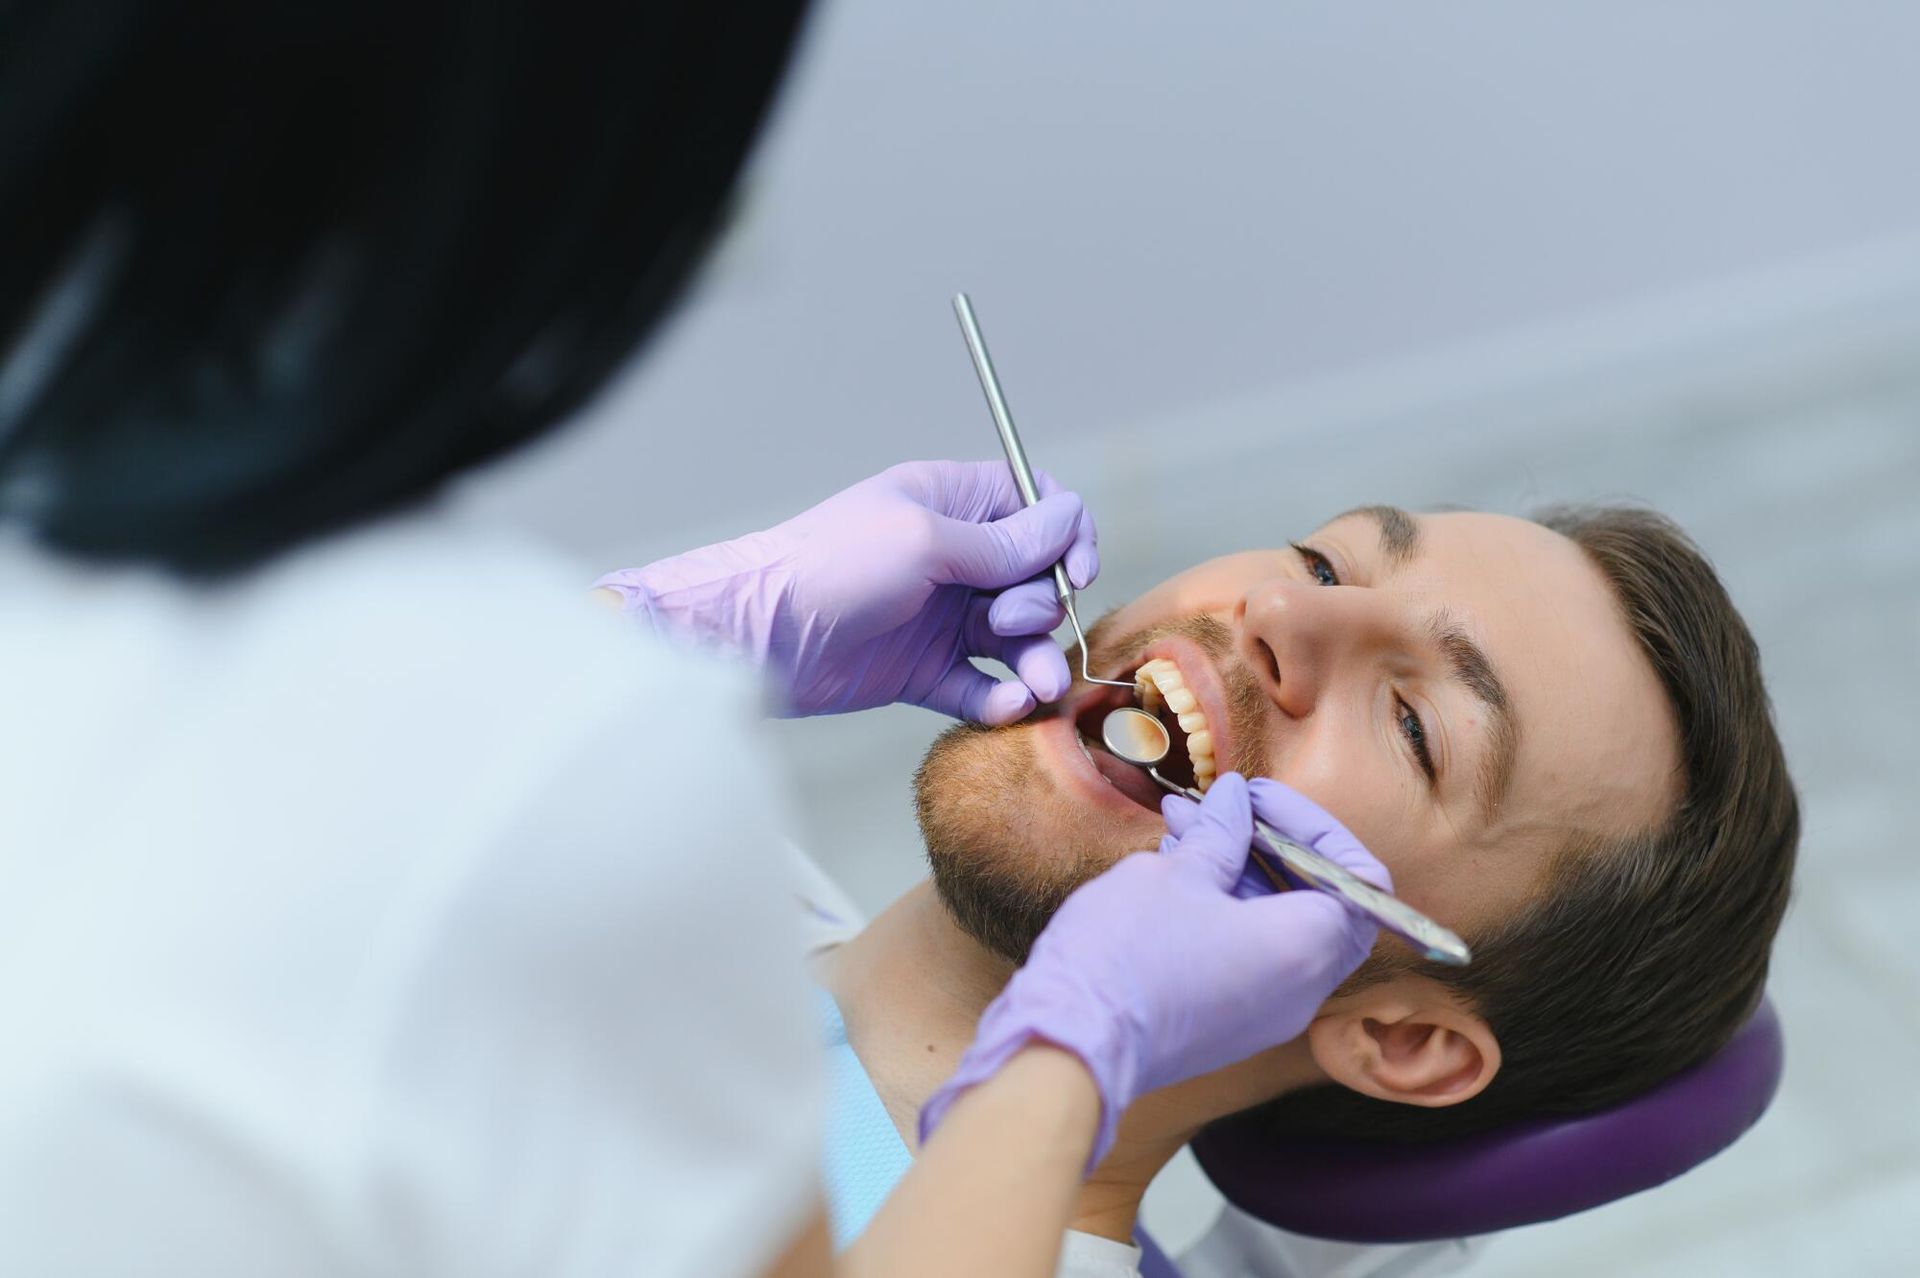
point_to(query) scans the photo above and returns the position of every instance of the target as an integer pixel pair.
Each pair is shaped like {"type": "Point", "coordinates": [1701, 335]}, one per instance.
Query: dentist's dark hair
{"type": "Point", "coordinates": [275, 268]}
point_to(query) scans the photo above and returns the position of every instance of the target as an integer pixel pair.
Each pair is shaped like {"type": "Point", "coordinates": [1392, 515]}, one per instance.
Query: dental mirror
{"type": "Point", "coordinates": [1136, 736]}
{"type": "Point", "coordinates": [1139, 738]}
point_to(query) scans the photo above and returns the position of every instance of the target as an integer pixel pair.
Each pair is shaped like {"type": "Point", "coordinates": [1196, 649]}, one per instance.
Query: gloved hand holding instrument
{"type": "Point", "coordinates": [1172, 965]}
{"type": "Point", "coordinates": [883, 592]}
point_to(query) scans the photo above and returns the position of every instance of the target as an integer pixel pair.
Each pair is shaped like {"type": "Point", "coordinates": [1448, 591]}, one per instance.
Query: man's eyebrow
{"type": "Point", "coordinates": [1467, 665]}
{"type": "Point", "coordinates": [1399, 534]}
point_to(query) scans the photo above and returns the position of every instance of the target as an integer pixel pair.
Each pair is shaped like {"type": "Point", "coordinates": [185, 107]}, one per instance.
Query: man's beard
{"type": "Point", "coordinates": [981, 799]}
{"type": "Point", "coordinates": [998, 898]}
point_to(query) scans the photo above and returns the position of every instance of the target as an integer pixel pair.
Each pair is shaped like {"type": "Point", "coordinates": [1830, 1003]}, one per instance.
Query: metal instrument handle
{"type": "Point", "coordinates": [1440, 944]}
{"type": "Point", "coordinates": [1009, 435]}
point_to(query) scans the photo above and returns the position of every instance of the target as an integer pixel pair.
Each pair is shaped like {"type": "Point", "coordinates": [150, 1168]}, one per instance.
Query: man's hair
{"type": "Point", "coordinates": [1643, 955]}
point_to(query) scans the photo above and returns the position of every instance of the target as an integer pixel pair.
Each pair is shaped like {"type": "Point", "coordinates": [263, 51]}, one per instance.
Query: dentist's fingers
{"type": "Point", "coordinates": [1304, 821]}
{"type": "Point", "coordinates": [1219, 836]}
{"type": "Point", "coordinates": [1083, 556]}
{"type": "Point", "coordinates": [1008, 702]}
{"type": "Point", "coordinates": [975, 490]}
{"type": "Point", "coordinates": [1179, 812]}
{"type": "Point", "coordinates": [982, 492]}
{"type": "Point", "coordinates": [1036, 659]}
{"type": "Point", "coordinates": [1008, 551]}
{"type": "Point", "coordinates": [1041, 665]}
{"type": "Point", "coordinates": [1030, 608]}
{"type": "Point", "coordinates": [1325, 939]}
{"type": "Point", "coordinates": [967, 692]}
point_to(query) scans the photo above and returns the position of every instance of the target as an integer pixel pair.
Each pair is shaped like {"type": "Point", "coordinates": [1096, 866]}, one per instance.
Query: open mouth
{"type": "Point", "coordinates": [1161, 690]}
{"type": "Point", "coordinates": [1130, 779]}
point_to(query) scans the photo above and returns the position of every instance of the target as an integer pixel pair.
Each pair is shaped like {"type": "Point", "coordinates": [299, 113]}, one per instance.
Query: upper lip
{"type": "Point", "coordinates": [1202, 679]}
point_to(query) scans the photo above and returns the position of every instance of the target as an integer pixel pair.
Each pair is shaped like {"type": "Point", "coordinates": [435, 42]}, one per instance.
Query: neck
{"type": "Point", "coordinates": [912, 987]}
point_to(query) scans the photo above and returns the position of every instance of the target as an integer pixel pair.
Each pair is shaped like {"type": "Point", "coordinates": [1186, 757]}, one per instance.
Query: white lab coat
{"type": "Point", "coordinates": [389, 911]}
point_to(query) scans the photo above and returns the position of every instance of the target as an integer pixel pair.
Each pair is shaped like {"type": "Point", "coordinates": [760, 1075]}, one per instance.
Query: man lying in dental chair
{"type": "Point", "coordinates": [1555, 735]}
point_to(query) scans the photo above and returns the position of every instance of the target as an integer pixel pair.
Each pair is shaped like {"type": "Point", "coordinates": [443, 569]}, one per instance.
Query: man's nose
{"type": "Point", "coordinates": [1299, 636]}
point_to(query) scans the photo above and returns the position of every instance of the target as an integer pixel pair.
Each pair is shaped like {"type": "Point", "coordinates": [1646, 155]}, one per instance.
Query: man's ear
{"type": "Point", "coordinates": [1405, 1040]}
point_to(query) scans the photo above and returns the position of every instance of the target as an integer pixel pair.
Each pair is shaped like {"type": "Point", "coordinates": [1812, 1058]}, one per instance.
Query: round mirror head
{"type": "Point", "coordinates": [1136, 736]}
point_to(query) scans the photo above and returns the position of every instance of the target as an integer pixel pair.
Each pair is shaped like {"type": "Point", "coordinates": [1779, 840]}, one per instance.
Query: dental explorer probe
{"type": "Point", "coordinates": [1138, 737]}
{"type": "Point", "coordinates": [1017, 459]}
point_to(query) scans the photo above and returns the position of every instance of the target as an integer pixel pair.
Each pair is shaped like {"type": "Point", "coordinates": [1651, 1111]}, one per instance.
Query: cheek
{"type": "Point", "coordinates": [1348, 776]}
{"type": "Point", "coordinates": [1334, 760]}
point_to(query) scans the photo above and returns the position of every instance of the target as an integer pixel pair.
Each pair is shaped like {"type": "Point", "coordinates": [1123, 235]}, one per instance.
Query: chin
{"type": "Point", "coordinates": [1014, 819]}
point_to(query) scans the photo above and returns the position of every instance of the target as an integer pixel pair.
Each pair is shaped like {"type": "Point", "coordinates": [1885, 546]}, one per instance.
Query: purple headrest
{"type": "Point", "coordinates": [1520, 1175]}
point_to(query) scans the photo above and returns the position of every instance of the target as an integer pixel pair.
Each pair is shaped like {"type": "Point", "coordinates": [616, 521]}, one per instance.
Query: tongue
{"type": "Point", "coordinates": [1129, 780]}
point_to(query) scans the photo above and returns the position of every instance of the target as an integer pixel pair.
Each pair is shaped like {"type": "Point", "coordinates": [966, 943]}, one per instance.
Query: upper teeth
{"type": "Point", "coordinates": [1158, 683]}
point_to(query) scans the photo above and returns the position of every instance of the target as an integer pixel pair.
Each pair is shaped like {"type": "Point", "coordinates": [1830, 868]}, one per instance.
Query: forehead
{"type": "Point", "coordinates": [1597, 741]}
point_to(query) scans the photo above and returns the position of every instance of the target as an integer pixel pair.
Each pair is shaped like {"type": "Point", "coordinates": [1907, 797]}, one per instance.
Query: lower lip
{"type": "Point", "coordinates": [1130, 779]}
{"type": "Point", "coordinates": [1106, 780]}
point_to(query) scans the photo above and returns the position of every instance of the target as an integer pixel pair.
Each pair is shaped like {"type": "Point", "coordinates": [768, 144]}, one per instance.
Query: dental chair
{"type": "Point", "coordinates": [1521, 1175]}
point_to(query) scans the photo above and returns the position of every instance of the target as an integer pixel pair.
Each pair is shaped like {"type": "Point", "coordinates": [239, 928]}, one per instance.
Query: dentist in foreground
{"type": "Point", "coordinates": [373, 907]}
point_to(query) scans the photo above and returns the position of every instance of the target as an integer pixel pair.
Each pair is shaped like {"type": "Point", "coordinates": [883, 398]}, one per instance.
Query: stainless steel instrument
{"type": "Point", "coordinates": [1017, 459]}
{"type": "Point", "coordinates": [1138, 737]}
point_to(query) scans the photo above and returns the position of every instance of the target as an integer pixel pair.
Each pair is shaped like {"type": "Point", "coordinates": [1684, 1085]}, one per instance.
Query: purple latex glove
{"type": "Point", "coordinates": [882, 592]}
{"type": "Point", "coordinates": [1156, 971]}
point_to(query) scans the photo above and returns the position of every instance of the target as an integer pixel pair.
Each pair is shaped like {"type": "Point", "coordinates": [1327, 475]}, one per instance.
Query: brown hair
{"type": "Point", "coordinates": [1644, 954]}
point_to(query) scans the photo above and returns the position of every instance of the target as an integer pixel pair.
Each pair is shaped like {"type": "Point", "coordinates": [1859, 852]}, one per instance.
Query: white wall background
{"type": "Point", "coordinates": [1161, 204]}
{"type": "Point", "coordinates": [1245, 264]}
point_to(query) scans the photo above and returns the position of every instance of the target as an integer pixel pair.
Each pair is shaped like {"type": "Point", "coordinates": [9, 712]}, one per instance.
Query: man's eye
{"type": "Point", "coordinates": [1318, 564]}
{"type": "Point", "coordinates": [1415, 732]}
